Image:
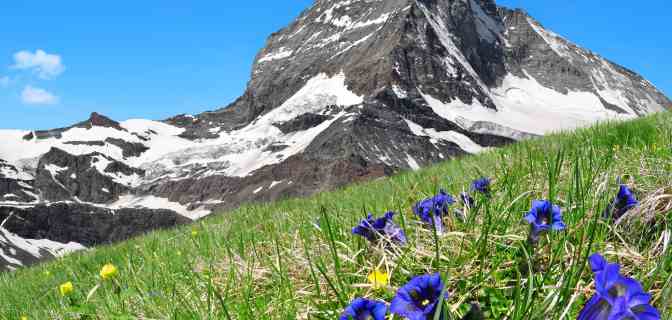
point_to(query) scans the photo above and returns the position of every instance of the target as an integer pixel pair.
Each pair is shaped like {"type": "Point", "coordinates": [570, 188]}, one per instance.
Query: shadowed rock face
{"type": "Point", "coordinates": [16, 252]}
{"type": "Point", "coordinates": [302, 122]}
{"type": "Point", "coordinates": [350, 91]}
{"type": "Point", "coordinates": [70, 226]}
{"type": "Point", "coordinates": [85, 224]}
{"type": "Point", "coordinates": [90, 178]}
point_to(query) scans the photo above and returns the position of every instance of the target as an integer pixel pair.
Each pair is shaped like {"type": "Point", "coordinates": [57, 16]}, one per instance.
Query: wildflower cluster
{"type": "Point", "coordinates": [417, 300]}
{"type": "Point", "coordinates": [67, 289]}
{"type": "Point", "coordinates": [616, 296]}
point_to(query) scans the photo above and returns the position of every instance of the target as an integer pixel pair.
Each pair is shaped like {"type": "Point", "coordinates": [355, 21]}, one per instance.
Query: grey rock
{"type": "Point", "coordinates": [302, 122]}
{"type": "Point", "coordinates": [130, 149]}
{"type": "Point", "coordinates": [62, 176]}
{"type": "Point", "coordinates": [85, 224]}
{"type": "Point", "coordinates": [80, 223]}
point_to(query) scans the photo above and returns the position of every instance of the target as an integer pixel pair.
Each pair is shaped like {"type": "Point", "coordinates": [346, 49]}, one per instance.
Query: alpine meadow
{"type": "Point", "coordinates": [300, 259]}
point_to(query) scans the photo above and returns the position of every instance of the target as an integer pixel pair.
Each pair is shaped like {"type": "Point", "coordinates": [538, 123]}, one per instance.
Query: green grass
{"type": "Point", "coordinates": [297, 259]}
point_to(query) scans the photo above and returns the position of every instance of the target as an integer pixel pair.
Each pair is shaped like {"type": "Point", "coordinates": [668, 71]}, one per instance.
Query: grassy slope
{"type": "Point", "coordinates": [274, 262]}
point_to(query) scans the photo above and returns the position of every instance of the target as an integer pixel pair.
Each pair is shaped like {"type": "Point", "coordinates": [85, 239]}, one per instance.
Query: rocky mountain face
{"type": "Point", "coordinates": [351, 90]}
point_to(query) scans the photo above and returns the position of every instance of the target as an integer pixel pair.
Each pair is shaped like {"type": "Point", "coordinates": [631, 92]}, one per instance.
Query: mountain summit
{"type": "Point", "coordinates": [352, 90]}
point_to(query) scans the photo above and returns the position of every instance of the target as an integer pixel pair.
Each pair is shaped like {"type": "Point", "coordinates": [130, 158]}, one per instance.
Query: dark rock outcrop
{"type": "Point", "coordinates": [130, 149]}
{"type": "Point", "coordinates": [63, 176]}
{"type": "Point", "coordinates": [302, 122]}
{"type": "Point", "coordinates": [85, 224]}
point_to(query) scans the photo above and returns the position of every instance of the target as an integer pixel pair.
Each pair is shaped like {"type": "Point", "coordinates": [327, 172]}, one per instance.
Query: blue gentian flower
{"type": "Point", "coordinates": [544, 216]}
{"type": "Point", "coordinates": [432, 210]}
{"type": "Point", "coordinates": [364, 309]}
{"type": "Point", "coordinates": [481, 185]}
{"type": "Point", "coordinates": [616, 296]}
{"type": "Point", "coordinates": [624, 201]}
{"type": "Point", "coordinates": [373, 229]}
{"type": "Point", "coordinates": [467, 200]}
{"type": "Point", "coordinates": [419, 298]}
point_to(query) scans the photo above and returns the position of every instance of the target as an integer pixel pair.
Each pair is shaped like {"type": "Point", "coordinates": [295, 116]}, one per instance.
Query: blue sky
{"type": "Point", "coordinates": [61, 60]}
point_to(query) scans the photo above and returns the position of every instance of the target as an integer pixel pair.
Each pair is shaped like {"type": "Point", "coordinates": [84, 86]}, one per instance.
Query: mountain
{"type": "Point", "coordinates": [351, 90]}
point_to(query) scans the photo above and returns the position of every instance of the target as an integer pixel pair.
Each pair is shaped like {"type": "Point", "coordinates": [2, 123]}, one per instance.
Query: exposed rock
{"type": "Point", "coordinates": [92, 177]}
{"type": "Point", "coordinates": [302, 122]}
{"type": "Point", "coordinates": [130, 149]}
{"type": "Point", "coordinates": [85, 224]}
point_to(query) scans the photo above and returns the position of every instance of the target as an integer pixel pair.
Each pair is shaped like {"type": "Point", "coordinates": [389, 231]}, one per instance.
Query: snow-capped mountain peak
{"type": "Point", "coordinates": [351, 90]}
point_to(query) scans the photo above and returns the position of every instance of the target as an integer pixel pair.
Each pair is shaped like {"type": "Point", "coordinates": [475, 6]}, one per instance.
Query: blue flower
{"type": "Point", "coordinates": [467, 200]}
{"type": "Point", "coordinates": [616, 296]}
{"type": "Point", "coordinates": [364, 309]}
{"type": "Point", "coordinates": [544, 216]}
{"type": "Point", "coordinates": [373, 229]}
{"type": "Point", "coordinates": [432, 210]}
{"type": "Point", "coordinates": [481, 185]}
{"type": "Point", "coordinates": [624, 201]}
{"type": "Point", "coordinates": [419, 298]}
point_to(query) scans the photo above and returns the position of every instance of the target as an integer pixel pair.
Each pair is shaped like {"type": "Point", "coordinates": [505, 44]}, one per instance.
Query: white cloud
{"type": "Point", "coordinates": [32, 95]}
{"type": "Point", "coordinates": [47, 66]}
{"type": "Point", "coordinates": [4, 82]}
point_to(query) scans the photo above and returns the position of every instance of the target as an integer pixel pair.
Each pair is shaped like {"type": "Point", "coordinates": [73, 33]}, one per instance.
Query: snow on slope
{"type": "Point", "coordinates": [526, 105]}
{"type": "Point", "coordinates": [11, 172]}
{"type": "Point", "coordinates": [239, 147]}
{"type": "Point", "coordinates": [282, 53]}
{"type": "Point", "coordinates": [152, 202]}
{"type": "Point", "coordinates": [239, 153]}
{"type": "Point", "coordinates": [464, 142]}
{"type": "Point", "coordinates": [13, 248]}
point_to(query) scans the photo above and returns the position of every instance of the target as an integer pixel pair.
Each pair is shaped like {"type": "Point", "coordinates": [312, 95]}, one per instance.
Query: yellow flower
{"type": "Point", "coordinates": [194, 233]}
{"type": "Point", "coordinates": [24, 318]}
{"type": "Point", "coordinates": [108, 271]}
{"type": "Point", "coordinates": [378, 279]}
{"type": "Point", "coordinates": [66, 288]}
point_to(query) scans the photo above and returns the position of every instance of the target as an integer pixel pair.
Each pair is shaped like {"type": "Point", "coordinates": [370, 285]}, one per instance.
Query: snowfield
{"type": "Point", "coordinates": [14, 248]}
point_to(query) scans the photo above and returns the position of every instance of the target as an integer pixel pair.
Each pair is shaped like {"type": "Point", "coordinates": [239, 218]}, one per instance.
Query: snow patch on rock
{"type": "Point", "coordinates": [11, 245]}
{"type": "Point", "coordinates": [525, 105]}
{"type": "Point", "coordinates": [281, 53]}
{"type": "Point", "coordinates": [153, 202]}
{"type": "Point", "coordinates": [464, 142]}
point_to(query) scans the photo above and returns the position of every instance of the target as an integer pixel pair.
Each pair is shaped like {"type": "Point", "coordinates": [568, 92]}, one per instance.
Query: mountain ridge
{"type": "Point", "coordinates": [352, 90]}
